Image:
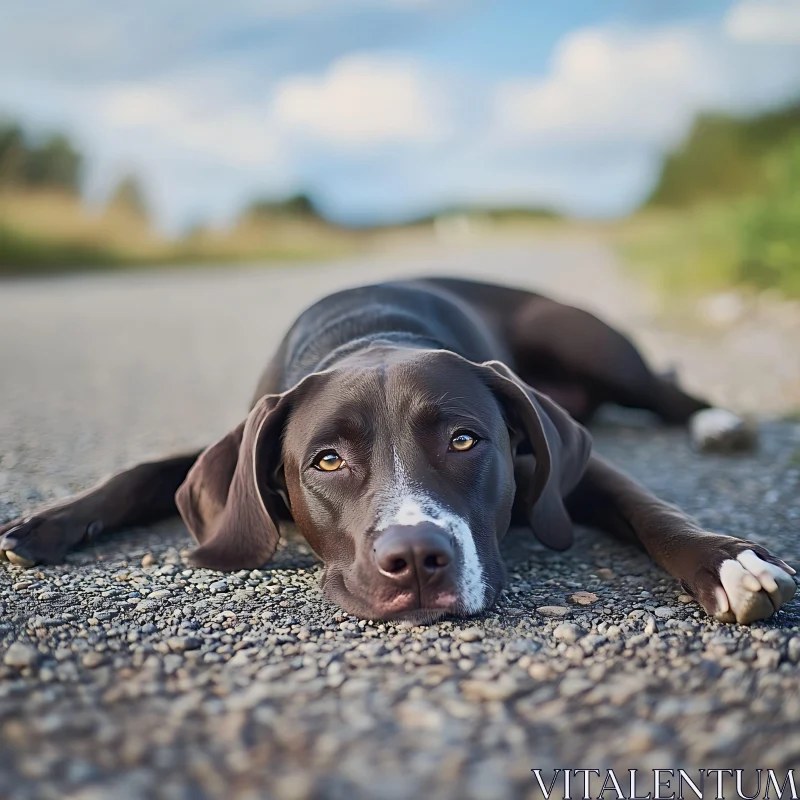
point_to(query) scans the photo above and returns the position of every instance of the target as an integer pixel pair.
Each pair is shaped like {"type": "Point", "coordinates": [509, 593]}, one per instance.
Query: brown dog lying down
{"type": "Point", "coordinates": [403, 427]}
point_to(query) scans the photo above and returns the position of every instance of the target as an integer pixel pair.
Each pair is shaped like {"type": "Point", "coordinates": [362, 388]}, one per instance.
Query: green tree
{"type": "Point", "coordinates": [129, 197]}
{"type": "Point", "coordinates": [300, 206]}
{"type": "Point", "coordinates": [55, 164]}
{"type": "Point", "coordinates": [13, 155]}
{"type": "Point", "coordinates": [770, 227]}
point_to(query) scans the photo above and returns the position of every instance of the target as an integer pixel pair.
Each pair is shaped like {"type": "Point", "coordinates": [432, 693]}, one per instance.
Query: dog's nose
{"type": "Point", "coordinates": [405, 552]}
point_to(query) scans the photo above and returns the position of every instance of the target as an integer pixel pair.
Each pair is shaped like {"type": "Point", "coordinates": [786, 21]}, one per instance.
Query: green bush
{"type": "Point", "coordinates": [769, 229]}
{"type": "Point", "coordinates": [25, 254]}
{"type": "Point", "coordinates": [723, 157]}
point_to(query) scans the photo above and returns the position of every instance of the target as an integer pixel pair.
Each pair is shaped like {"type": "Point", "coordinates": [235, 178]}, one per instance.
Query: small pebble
{"type": "Point", "coordinates": [793, 649]}
{"type": "Point", "coordinates": [471, 634]}
{"type": "Point", "coordinates": [92, 660]}
{"type": "Point", "coordinates": [767, 658]}
{"type": "Point", "coordinates": [20, 655]}
{"type": "Point", "coordinates": [584, 598]}
{"type": "Point", "coordinates": [479, 691]}
{"type": "Point", "coordinates": [181, 644]}
{"type": "Point", "coordinates": [553, 611]}
{"type": "Point", "coordinates": [567, 632]}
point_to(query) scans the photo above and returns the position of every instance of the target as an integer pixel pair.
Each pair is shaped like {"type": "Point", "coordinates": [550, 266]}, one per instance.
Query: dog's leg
{"type": "Point", "coordinates": [554, 345]}
{"type": "Point", "coordinates": [140, 495]}
{"type": "Point", "coordinates": [733, 579]}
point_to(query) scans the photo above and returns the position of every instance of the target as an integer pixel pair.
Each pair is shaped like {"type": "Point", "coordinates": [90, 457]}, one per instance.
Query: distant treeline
{"type": "Point", "coordinates": [302, 207]}
{"type": "Point", "coordinates": [297, 206]}
{"type": "Point", "coordinates": [490, 213]}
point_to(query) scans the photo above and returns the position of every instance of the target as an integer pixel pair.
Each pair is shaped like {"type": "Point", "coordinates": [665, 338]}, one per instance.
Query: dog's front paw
{"type": "Point", "coordinates": [751, 588]}
{"type": "Point", "coordinates": [44, 538]}
{"type": "Point", "coordinates": [740, 581]}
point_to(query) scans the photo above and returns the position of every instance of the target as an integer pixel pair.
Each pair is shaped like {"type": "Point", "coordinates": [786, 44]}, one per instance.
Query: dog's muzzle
{"type": "Point", "coordinates": [419, 563]}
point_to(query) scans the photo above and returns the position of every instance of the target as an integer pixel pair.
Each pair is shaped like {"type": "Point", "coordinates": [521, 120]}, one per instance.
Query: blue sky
{"type": "Point", "coordinates": [385, 109]}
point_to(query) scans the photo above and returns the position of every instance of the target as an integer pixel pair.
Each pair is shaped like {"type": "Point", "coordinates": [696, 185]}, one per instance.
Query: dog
{"type": "Point", "coordinates": [404, 427]}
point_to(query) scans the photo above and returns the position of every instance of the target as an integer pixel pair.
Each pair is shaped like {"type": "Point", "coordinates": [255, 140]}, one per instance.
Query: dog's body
{"type": "Point", "coordinates": [402, 426]}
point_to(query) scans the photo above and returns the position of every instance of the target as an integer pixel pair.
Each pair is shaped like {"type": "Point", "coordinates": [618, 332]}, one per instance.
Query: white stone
{"type": "Point", "coordinates": [720, 430]}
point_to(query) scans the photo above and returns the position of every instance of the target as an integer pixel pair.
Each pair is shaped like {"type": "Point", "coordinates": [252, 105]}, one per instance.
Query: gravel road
{"type": "Point", "coordinates": [125, 674]}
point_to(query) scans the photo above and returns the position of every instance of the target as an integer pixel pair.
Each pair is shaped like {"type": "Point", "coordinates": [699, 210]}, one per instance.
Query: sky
{"type": "Point", "coordinates": [387, 109]}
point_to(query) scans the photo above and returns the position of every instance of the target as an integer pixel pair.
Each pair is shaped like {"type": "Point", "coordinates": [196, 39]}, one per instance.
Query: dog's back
{"type": "Point", "coordinates": [434, 314]}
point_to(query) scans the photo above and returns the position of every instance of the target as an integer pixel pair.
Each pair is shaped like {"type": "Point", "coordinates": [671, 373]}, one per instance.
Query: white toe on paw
{"type": "Point", "coordinates": [720, 430]}
{"type": "Point", "coordinates": [754, 589]}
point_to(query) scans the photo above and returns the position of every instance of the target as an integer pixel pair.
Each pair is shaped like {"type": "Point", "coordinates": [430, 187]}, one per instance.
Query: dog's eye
{"type": "Point", "coordinates": [463, 440]}
{"type": "Point", "coordinates": [329, 461]}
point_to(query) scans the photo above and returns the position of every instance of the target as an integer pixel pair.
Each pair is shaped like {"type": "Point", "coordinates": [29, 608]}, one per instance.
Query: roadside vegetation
{"type": "Point", "coordinates": [53, 232]}
{"type": "Point", "coordinates": [725, 210]}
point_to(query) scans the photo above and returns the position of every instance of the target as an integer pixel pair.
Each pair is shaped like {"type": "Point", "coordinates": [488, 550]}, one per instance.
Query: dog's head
{"type": "Point", "coordinates": [399, 469]}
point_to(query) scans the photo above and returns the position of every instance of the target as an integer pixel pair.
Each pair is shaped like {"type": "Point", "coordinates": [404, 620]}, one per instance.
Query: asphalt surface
{"type": "Point", "coordinates": [125, 674]}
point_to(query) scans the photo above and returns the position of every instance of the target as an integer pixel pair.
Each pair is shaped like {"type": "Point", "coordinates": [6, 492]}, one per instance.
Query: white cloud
{"type": "Point", "coordinates": [363, 101]}
{"type": "Point", "coordinates": [240, 135]}
{"type": "Point", "coordinates": [641, 87]}
{"type": "Point", "coordinates": [768, 21]}
{"type": "Point", "coordinates": [610, 86]}
{"type": "Point", "coordinates": [358, 102]}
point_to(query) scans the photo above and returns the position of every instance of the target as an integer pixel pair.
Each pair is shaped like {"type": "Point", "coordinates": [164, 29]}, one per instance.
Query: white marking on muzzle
{"type": "Point", "coordinates": [406, 504]}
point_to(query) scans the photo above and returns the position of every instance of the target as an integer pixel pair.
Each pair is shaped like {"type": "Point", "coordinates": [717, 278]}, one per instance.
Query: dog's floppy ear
{"type": "Point", "coordinates": [560, 446]}
{"type": "Point", "coordinates": [223, 499]}
{"type": "Point", "coordinates": [226, 500]}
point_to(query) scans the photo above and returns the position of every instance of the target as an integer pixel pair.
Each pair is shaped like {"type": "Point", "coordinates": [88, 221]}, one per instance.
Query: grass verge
{"type": "Point", "coordinates": [50, 233]}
